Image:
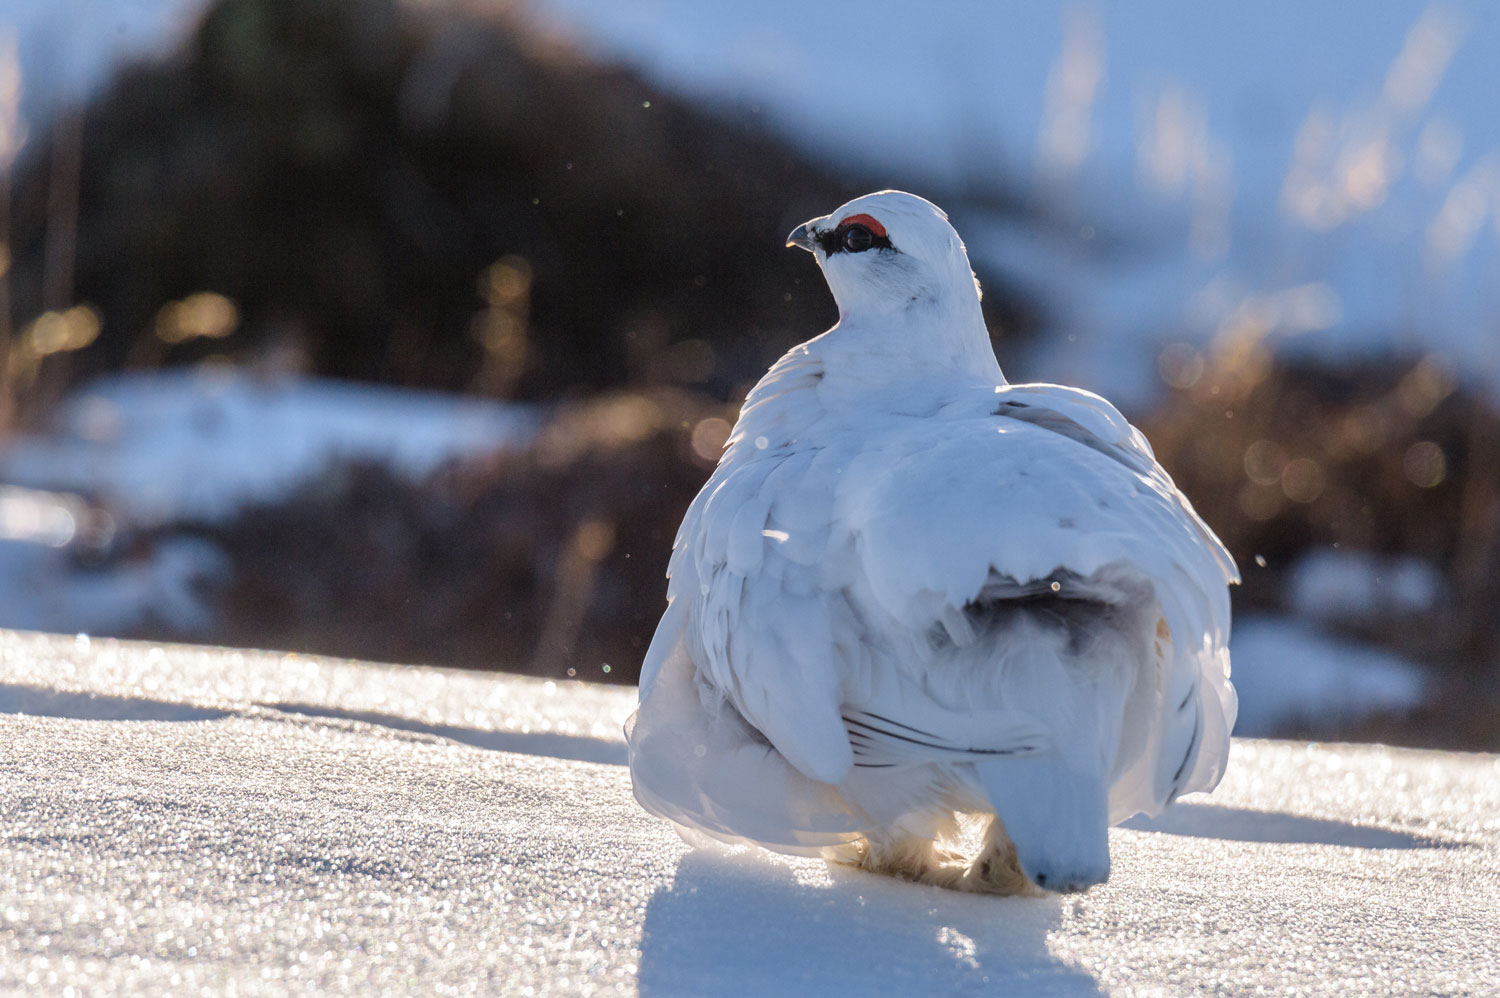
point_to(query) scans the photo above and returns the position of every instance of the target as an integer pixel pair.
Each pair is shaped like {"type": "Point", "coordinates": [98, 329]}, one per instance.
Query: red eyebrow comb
{"type": "Point", "coordinates": [866, 221]}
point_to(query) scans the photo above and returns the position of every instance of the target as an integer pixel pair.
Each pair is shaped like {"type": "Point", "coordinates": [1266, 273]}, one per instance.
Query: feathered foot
{"type": "Point", "coordinates": [997, 869]}
{"type": "Point", "coordinates": [923, 860]}
{"type": "Point", "coordinates": [906, 857]}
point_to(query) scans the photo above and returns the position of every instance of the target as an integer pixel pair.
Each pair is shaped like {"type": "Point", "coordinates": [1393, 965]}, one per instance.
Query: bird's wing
{"type": "Point", "coordinates": [749, 599]}
{"type": "Point", "coordinates": [696, 761]}
{"type": "Point", "coordinates": [1060, 483]}
{"type": "Point", "coordinates": [1091, 420]}
{"type": "Point", "coordinates": [762, 627]}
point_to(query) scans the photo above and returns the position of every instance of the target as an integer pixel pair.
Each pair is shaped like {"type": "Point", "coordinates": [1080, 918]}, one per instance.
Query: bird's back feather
{"type": "Point", "coordinates": [824, 588]}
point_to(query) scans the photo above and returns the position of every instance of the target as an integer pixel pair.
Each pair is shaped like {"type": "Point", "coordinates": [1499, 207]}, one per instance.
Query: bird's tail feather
{"type": "Point", "coordinates": [1057, 816]}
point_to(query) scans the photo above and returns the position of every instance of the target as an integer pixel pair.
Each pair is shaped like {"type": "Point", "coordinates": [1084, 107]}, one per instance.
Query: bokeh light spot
{"type": "Point", "coordinates": [709, 436]}
{"type": "Point", "coordinates": [1425, 464]}
{"type": "Point", "coordinates": [1180, 365]}
{"type": "Point", "coordinates": [1264, 462]}
{"type": "Point", "coordinates": [1259, 502]}
{"type": "Point", "coordinates": [56, 332]}
{"type": "Point", "coordinates": [1302, 480]}
{"type": "Point", "coordinates": [205, 315]}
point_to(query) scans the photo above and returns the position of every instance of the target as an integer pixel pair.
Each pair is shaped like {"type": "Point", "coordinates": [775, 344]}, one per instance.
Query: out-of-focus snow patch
{"type": "Point", "coordinates": [46, 589]}
{"type": "Point", "coordinates": [201, 443]}
{"type": "Point", "coordinates": [49, 518]}
{"type": "Point", "coordinates": [148, 449]}
{"type": "Point", "coordinates": [69, 47]}
{"type": "Point", "coordinates": [1333, 584]}
{"type": "Point", "coordinates": [1289, 674]}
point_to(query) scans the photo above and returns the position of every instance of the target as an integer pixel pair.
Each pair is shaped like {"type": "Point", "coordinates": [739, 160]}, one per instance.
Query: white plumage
{"type": "Point", "coordinates": [911, 592]}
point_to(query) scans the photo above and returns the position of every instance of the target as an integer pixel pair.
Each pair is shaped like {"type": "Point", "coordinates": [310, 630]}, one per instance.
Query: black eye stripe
{"type": "Point", "coordinates": [832, 241]}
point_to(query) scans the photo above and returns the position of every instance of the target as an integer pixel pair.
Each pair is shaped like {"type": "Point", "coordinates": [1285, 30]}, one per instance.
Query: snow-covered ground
{"type": "Point", "coordinates": [198, 820]}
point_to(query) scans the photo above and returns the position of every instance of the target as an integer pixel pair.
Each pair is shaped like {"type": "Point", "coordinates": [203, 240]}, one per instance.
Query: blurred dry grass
{"type": "Point", "coordinates": [34, 361]}
{"type": "Point", "coordinates": [1391, 456]}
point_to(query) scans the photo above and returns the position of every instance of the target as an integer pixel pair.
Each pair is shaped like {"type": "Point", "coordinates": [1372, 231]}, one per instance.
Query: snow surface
{"type": "Point", "coordinates": [209, 820]}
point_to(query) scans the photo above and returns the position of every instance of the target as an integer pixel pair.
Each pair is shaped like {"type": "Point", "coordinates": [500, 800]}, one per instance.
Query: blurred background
{"type": "Point", "coordinates": [407, 329]}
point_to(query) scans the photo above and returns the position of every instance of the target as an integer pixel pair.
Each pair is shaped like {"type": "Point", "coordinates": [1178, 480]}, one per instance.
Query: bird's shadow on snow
{"type": "Point", "coordinates": [555, 745]}
{"type": "Point", "coordinates": [1235, 824]}
{"type": "Point", "coordinates": [40, 701]}
{"type": "Point", "coordinates": [739, 925]}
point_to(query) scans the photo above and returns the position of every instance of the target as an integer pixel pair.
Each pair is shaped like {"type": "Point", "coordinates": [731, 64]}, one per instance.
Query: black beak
{"type": "Point", "coordinates": [803, 237]}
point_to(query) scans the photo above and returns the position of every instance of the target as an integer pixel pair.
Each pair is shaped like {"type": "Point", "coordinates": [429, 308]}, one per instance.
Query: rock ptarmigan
{"type": "Point", "coordinates": [913, 595]}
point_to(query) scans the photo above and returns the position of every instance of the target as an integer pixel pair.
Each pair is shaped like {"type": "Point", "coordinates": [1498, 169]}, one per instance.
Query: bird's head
{"type": "Point", "coordinates": [888, 253]}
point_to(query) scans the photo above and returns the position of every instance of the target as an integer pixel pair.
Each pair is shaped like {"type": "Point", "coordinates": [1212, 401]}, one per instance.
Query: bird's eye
{"type": "Point", "coordinates": [857, 239]}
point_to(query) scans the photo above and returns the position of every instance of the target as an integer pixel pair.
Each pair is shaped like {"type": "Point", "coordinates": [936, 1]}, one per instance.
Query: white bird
{"type": "Point", "coordinates": [912, 593]}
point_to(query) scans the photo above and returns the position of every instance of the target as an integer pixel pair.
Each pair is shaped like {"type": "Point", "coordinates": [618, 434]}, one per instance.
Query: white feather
{"type": "Point", "coordinates": [909, 585]}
